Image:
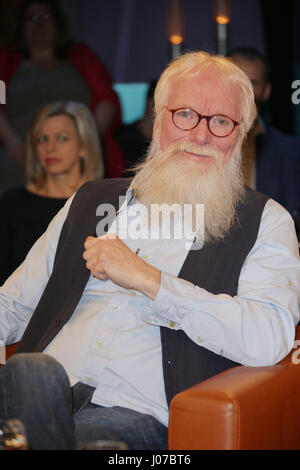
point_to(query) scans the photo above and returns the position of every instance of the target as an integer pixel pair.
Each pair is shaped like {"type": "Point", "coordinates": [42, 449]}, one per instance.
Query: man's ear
{"type": "Point", "coordinates": [267, 92]}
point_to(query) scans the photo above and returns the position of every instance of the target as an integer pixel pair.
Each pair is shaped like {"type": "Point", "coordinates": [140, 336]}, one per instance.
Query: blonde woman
{"type": "Point", "coordinates": [63, 152]}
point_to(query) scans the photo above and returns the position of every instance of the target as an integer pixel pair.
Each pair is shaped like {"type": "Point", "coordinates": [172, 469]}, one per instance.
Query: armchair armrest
{"type": "Point", "coordinates": [241, 408]}
{"type": "Point", "coordinates": [10, 349]}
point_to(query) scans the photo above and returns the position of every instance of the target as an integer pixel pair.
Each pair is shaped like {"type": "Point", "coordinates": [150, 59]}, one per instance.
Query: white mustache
{"type": "Point", "coordinates": [206, 150]}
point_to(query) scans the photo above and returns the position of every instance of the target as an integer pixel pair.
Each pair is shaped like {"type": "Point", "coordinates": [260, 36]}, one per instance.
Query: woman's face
{"type": "Point", "coordinates": [39, 27]}
{"type": "Point", "coordinates": [58, 147]}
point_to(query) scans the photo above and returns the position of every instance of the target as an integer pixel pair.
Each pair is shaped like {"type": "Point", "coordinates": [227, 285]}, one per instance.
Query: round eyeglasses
{"type": "Point", "coordinates": [187, 119]}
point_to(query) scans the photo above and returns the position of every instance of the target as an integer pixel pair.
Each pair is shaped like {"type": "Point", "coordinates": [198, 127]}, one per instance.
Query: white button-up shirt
{"type": "Point", "coordinates": [112, 340]}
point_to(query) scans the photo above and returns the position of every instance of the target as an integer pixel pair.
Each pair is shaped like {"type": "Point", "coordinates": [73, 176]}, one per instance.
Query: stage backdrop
{"type": "Point", "coordinates": [131, 35]}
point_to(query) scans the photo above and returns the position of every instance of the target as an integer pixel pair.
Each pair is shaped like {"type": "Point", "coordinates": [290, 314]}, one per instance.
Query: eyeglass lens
{"type": "Point", "coordinates": [218, 125]}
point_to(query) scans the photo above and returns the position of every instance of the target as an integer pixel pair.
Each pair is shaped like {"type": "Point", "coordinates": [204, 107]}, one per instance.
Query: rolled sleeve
{"type": "Point", "coordinates": [257, 326]}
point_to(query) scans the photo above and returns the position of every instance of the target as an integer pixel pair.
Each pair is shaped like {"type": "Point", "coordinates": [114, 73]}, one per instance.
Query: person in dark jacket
{"type": "Point", "coordinates": [271, 158]}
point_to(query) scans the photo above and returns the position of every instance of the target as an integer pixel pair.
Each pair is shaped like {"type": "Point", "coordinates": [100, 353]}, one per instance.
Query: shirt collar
{"type": "Point", "coordinates": [128, 199]}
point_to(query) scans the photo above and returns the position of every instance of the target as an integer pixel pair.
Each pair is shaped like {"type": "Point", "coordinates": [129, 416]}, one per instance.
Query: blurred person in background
{"type": "Point", "coordinates": [63, 152]}
{"type": "Point", "coordinates": [271, 159]}
{"type": "Point", "coordinates": [42, 66]}
{"type": "Point", "coordinates": [134, 138]}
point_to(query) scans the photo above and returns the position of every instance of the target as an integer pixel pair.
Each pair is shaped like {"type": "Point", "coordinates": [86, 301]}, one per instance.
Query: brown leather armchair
{"type": "Point", "coordinates": [243, 408]}
{"type": "Point", "coordinates": [10, 349]}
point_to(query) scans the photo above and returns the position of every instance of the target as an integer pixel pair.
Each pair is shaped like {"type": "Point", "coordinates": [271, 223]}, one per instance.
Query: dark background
{"type": "Point", "coordinates": [130, 36]}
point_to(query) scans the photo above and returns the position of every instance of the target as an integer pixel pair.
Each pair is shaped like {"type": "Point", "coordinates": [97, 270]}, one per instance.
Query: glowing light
{"type": "Point", "coordinates": [222, 11]}
{"type": "Point", "coordinates": [221, 19]}
{"type": "Point", "coordinates": [176, 39]}
{"type": "Point", "coordinates": [175, 26]}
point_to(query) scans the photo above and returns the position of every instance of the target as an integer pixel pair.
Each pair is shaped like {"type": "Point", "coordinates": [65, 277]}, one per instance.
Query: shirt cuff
{"type": "Point", "coordinates": [168, 309]}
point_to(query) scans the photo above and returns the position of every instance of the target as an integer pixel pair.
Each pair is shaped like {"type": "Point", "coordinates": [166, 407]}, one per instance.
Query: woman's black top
{"type": "Point", "coordinates": [24, 217]}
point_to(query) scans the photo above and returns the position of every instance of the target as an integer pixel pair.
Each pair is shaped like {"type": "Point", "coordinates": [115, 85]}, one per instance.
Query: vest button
{"type": "Point", "coordinates": [57, 322]}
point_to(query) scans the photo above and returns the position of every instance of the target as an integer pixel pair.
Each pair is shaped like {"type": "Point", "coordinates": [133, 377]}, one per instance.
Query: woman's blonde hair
{"type": "Point", "coordinates": [91, 165]}
{"type": "Point", "coordinates": [189, 65]}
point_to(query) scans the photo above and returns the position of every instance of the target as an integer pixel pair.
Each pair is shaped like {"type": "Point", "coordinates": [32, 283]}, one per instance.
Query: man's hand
{"type": "Point", "coordinates": [108, 257]}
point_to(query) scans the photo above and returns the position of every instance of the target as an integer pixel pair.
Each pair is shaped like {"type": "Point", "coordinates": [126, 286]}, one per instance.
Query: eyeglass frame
{"type": "Point", "coordinates": [202, 116]}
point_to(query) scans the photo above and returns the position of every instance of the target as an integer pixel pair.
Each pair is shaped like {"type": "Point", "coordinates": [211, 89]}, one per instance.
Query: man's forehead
{"type": "Point", "coordinates": [210, 87]}
{"type": "Point", "coordinates": [210, 78]}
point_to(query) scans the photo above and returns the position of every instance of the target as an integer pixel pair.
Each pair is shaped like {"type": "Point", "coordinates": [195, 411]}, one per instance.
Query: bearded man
{"type": "Point", "coordinates": [112, 326]}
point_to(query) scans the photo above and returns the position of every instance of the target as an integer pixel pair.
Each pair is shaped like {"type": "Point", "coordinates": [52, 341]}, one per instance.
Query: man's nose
{"type": "Point", "coordinates": [201, 133]}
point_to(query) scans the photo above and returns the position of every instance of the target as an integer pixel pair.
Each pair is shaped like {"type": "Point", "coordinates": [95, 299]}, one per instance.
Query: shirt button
{"type": "Point", "coordinates": [170, 362]}
{"type": "Point", "coordinates": [116, 307]}
{"type": "Point", "coordinates": [290, 283]}
{"type": "Point", "coordinates": [221, 352]}
{"type": "Point", "coordinates": [145, 256]}
{"type": "Point", "coordinates": [171, 324]}
{"type": "Point", "coordinates": [99, 344]}
{"type": "Point", "coordinates": [200, 340]}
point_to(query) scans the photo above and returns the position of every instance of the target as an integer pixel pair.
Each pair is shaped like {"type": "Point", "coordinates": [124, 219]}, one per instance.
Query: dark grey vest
{"type": "Point", "coordinates": [215, 268]}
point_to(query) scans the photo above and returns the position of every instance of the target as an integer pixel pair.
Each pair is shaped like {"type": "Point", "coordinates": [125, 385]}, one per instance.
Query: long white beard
{"type": "Point", "coordinates": [165, 177]}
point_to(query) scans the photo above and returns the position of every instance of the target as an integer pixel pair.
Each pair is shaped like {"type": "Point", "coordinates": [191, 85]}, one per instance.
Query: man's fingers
{"type": "Point", "coordinates": [89, 251]}
{"type": "Point", "coordinates": [100, 275]}
{"type": "Point", "coordinates": [90, 241]}
{"type": "Point", "coordinates": [96, 270]}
